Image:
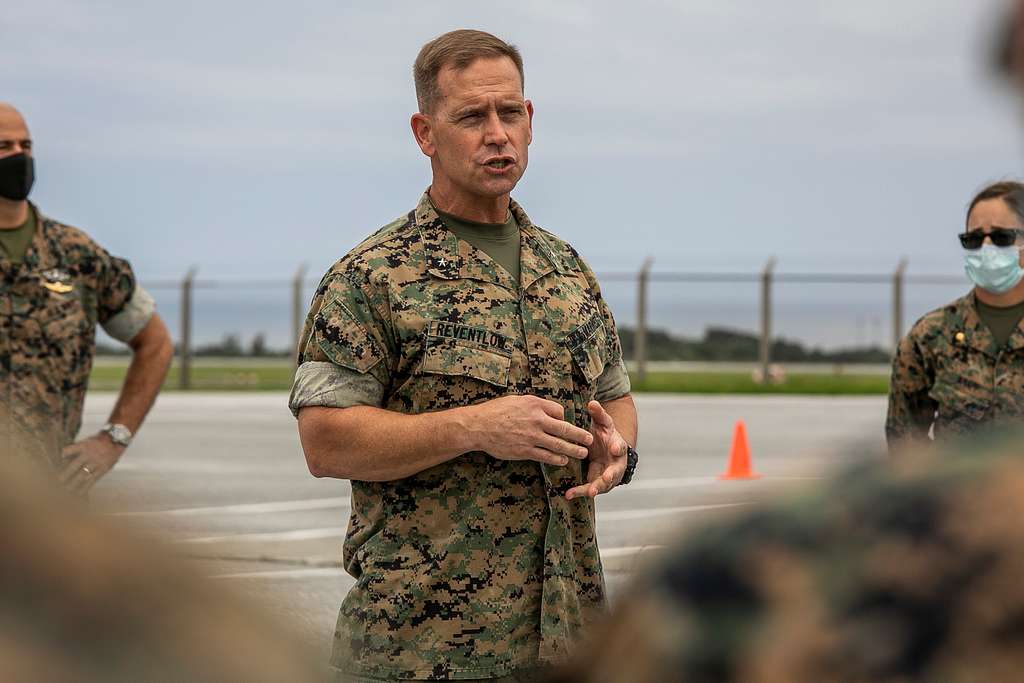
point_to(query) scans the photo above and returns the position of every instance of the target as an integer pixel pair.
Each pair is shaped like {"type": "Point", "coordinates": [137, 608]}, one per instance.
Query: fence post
{"type": "Point", "coordinates": [300, 276]}
{"type": "Point", "coordinates": [766, 318]}
{"type": "Point", "coordinates": [185, 350]}
{"type": "Point", "coordinates": [897, 303]}
{"type": "Point", "coordinates": [640, 338]}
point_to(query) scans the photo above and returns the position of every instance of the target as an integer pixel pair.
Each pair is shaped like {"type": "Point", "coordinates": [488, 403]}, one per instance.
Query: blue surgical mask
{"type": "Point", "coordinates": [994, 269]}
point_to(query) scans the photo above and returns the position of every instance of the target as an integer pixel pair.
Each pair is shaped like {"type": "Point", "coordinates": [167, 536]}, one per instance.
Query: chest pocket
{"type": "Point", "coordinates": [958, 405]}
{"type": "Point", "coordinates": [64, 319]}
{"type": "Point", "coordinates": [44, 316]}
{"type": "Point", "coordinates": [458, 358]}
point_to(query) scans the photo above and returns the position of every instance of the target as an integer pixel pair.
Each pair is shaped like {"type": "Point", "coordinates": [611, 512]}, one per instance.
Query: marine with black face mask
{"type": "Point", "coordinates": [56, 285]}
{"type": "Point", "coordinates": [961, 367]}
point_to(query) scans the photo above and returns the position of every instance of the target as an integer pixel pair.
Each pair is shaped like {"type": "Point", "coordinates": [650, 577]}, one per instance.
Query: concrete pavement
{"type": "Point", "coordinates": [222, 477]}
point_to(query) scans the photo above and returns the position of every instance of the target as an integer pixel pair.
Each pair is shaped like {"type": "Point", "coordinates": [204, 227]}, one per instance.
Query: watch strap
{"type": "Point", "coordinates": [118, 433]}
{"type": "Point", "coordinates": [632, 458]}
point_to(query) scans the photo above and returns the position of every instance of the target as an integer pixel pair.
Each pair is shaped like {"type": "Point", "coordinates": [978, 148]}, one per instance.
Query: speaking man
{"type": "Point", "coordinates": [461, 368]}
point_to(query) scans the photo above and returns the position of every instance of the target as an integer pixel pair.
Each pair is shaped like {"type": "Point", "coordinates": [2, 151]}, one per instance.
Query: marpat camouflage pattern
{"type": "Point", "coordinates": [950, 372]}
{"type": "Point", "coordinates": [49, 307]}
{"type": "Point", "coordinates": [476, 567]}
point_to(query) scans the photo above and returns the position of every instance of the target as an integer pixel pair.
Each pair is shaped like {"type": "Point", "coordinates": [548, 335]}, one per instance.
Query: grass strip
{"type": "Point", "coordinates": [278, 378]}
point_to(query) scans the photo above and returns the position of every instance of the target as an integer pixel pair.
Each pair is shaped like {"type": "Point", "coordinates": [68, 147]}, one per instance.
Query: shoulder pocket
{"type": "Point", "coordinates": [343, 340]}
{"type": "Point", "coordinates": [452, 357]}
{"type": "Point", "coordinates": [588, 345]}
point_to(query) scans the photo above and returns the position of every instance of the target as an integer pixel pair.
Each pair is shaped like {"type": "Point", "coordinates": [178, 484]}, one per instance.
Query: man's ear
{"type": "Point", "coordinates": [529, 111]}
{"type": "Point", "coordinates": [423, 131]}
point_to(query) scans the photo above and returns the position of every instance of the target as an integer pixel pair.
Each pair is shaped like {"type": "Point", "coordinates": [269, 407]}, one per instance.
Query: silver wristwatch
{"type": "Point", "coordinates": [118, 433]}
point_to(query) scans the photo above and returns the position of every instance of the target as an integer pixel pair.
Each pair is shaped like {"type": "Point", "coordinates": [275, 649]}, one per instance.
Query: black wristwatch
{"type": "Point", "coordinates": [631, 460]}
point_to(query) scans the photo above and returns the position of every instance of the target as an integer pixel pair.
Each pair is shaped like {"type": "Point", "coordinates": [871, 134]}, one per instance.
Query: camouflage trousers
{"type": "Point", "coordinates": [524, 676]}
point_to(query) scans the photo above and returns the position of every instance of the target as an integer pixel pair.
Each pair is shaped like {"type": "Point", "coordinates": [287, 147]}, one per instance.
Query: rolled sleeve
{"type": "Point", "coordinates": [326, 385]}
{"type": "Point", "coordinates": [613, 382]}
{"type": "Point", "coordinates": [132, 317]}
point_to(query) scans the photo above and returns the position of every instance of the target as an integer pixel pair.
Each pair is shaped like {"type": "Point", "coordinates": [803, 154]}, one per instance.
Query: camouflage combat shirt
{"type": "Point", "coordinates": [950, 373]}
{"type": "Point", "coordinates": [50, 305]}
{"type": "Point", "coordinates": [476, 567]}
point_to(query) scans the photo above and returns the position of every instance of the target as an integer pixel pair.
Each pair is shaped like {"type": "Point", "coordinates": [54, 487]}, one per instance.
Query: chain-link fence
{"type": "Point", "coordinates": [774, 310]}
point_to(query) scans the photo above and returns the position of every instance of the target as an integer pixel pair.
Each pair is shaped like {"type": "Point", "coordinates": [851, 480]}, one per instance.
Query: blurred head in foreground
{"type": "Point", "coordinates": [887, 574]}
{"type": "Point", "coordinates": [81, 601]}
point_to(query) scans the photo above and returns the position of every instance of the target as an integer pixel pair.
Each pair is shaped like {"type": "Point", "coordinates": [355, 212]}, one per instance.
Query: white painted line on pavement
{"type": "Point", "coordinates": [339, 531]}
{"type": "Point", "coordinates": [271, 536]}
{"type": "Point", "coordinates": [682, 482]}
{"type": "Point", "coordinates": [624, 515]}
{"type": "Point", "coordinates": [283, 469]}
{"type": "Point", "coordinates": [628, 550]}
{"type": "Point", "coordinates": [331, 503]}
{"type": "Point", "coordinates": [317, 572]}
{"type": "Point", "coordinates": [306, 573]}
{"type": "Point", "coordinates": [246, 508]}
{"type": "Point", "coordinates": [672, 483]}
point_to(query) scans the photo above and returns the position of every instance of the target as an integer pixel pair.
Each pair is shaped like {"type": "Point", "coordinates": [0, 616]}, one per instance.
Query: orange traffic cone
{"type": "Point", "coordinates": [739, 457]}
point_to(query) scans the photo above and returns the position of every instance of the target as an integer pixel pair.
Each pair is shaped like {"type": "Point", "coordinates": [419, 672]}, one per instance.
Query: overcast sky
{"type": "Point", "coordinates": [245, 138]}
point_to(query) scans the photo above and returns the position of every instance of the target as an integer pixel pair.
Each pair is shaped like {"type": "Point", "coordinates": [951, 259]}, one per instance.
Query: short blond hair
{"type": "Point", "coordinates": [457, 49]}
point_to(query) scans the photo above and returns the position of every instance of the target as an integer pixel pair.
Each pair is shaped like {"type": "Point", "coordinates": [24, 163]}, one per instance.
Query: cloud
{"type": "Point", "coordinates": [650, 105]}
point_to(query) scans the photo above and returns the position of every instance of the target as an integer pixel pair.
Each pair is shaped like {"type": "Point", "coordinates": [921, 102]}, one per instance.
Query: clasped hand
{"type": "Point", "coordinates": [533, 428]}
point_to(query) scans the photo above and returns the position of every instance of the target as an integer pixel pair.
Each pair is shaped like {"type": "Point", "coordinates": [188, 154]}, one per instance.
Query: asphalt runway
{"type": "Point", "coordinates": [222, 478]}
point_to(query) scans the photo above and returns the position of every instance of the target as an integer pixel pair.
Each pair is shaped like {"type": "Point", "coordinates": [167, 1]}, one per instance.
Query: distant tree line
{"type": "Point", "coordinates": [720, 344]}
{"type": "Point", "coordinates": [230, 346]}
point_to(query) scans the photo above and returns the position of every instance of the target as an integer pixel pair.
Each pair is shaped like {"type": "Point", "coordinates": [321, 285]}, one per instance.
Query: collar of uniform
{"type": "Point", "coordinates": [1016, 340]}
{"type": "Point", "coordinates": [976, 333]}
{"type": "Point", "coordinates": [440, 245]}
{"type": "Point", "coordinates": [38, 250]}
{"type": "Point", "coordinates": [444, 259]}
{"type": "Point", "coordinates": [538, 258]}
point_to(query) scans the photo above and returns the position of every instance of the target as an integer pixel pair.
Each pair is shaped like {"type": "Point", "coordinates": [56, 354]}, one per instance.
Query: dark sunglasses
{"type": "Point", "coordinates": [1001, 237]}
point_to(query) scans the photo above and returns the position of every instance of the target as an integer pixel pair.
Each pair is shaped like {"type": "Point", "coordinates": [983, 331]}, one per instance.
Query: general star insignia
{"type": "Point", "coordinates": [442, 263]}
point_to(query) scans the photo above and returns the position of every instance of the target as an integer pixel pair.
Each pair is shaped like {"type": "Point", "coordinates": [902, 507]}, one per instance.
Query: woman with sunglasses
{"type": "Point", "coordinates": [961, 367]}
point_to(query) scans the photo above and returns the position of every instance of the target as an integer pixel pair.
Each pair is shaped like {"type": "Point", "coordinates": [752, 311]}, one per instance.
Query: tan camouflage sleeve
{"type": "Point", "coordinates": [133, 316]}
{"type": "Point", "coordinates": [613, 383]}
{"type": "Point", "coordinates": [911, 410]}
{"type": "Point", "coordinates": [345, 351]}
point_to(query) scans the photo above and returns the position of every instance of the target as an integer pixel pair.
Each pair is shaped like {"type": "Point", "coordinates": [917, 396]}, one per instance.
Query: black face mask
{"type": "Point", "coordinates": [17, 173]}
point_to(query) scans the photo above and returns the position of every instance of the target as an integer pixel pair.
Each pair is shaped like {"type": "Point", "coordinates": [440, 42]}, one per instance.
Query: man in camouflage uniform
{"type": "Point", "coordinates": [56, 284]}
{"type": "Point", "coordinates": [961, 367]}
{"type": "Point", "coordinates": [455, 387]}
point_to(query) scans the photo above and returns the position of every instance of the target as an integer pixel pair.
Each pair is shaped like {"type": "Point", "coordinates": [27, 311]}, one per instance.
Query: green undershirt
{"type": "Point", "coordinates": [1002, 322]}
{"type": "Point", "coordinates": [500, 241]}
{"type": "Point", "coordinates": [15, 241]}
